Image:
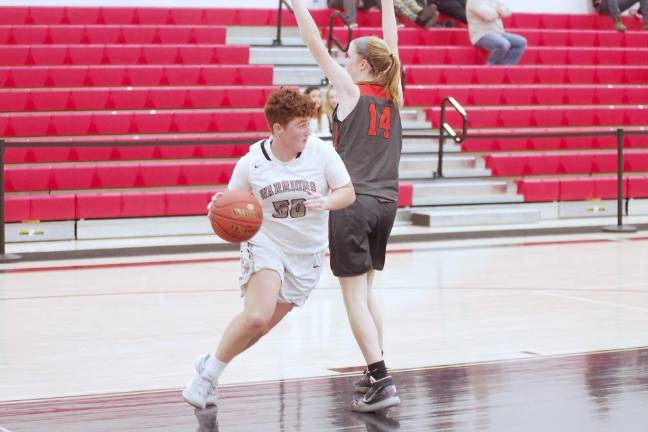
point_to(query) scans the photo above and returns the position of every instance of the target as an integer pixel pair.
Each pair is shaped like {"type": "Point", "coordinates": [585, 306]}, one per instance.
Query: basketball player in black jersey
{"type": "Point", "coordinates": [367, 134]}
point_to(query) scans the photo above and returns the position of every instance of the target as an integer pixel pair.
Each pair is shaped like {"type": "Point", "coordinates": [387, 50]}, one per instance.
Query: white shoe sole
{"type": "Point", "coordinates": [383, 404]}
{"type": "Point", "coordinates": [193, 402]}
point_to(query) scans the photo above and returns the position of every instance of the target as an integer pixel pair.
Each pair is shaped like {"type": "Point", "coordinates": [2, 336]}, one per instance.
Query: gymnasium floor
{"type": "Point", "coordinates": [505, 334]}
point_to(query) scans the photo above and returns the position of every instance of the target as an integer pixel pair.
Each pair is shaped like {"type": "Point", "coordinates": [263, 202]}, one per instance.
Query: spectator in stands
{"type": "Point", "coordinates": [412, 11]}
{"type": "Point", "coordinates": [615, 7]}
{"type": "Point", "coordinates": [453, 8]}
{"type": "Point", "coordinates": [319, 123]}
{"type": "Point", "coordinates": [487, 32]}
{"type": "Point", "coordinates": [329, 104]}
{"type": "Point", "coordinates": [351, 8]}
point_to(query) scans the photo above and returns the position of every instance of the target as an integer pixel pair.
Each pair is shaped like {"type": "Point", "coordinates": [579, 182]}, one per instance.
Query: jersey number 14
{"type": "Point", "coordinates": [384, 122]}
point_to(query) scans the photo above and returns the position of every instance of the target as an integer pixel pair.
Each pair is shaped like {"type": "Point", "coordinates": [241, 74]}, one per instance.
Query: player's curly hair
{"type": "Point", "coordinates": [286, 104]}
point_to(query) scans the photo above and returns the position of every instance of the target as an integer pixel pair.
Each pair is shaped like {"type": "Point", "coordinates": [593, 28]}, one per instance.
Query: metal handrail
{"type": "Point", "coordinates": [445, 128]}
{"type": "Point", "coordinates": [331, 37]}
{"type": "Point", "coordinates": [277, 41]}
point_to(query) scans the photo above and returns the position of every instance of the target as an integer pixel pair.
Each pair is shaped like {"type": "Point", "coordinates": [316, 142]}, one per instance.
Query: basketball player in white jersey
{"type": "Point", "coordinates": [297, 178]}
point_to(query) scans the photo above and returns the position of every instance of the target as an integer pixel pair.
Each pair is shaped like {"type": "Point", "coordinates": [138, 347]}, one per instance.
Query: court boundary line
{"type": "Point", "coordinates": [227, 247]}
{"type": "Point", "coordinates": [4, 429]}
{"type": "Point", "coordinates": [529, 358]}
{"type": "Point", "coordinates": [597, 302]}
{"type": "Point", "coordinates": [152, 263]}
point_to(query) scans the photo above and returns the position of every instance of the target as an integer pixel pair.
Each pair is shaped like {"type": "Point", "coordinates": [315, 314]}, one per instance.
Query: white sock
{"type": "Point", "coordinates": [214, 367]}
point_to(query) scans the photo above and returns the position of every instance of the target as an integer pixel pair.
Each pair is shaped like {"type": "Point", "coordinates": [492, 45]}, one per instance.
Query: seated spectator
{"type": "Point", "coordinates": [319, 124]}
{"type": "Point", "coordinates": [453, 8]}
{"type": "Point", "coordinates": [615, 7]}
{"type": "Point", "coordinates": [329, 104]}
{"type": "Point", "coordinates": [351, 8]}
{"type": "Point", "coordinates": [487, 32]}
{"type": "Point", "coordinates": [410, 10]}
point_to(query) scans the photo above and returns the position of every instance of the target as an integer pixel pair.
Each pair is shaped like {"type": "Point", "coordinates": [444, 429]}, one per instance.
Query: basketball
{"type": "Point", "coordinates": [236, 216]}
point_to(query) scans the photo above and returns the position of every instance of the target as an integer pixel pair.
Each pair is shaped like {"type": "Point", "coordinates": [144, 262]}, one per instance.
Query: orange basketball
{"type": "Point", "coordinates": [236, 216]}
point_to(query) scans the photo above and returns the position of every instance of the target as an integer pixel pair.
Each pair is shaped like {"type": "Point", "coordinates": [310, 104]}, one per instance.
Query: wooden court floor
{"type": "Point", "coordinates": [514, 334]}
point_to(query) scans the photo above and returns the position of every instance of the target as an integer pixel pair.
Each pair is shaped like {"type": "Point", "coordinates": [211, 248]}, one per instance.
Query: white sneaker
{"type": "Point", "coordinates": [199, 364]}
{"type": "Point", "coordinates": [202, 390]}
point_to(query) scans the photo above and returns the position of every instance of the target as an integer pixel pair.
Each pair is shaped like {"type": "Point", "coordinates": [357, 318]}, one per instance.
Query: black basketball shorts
{"type": "Point", "coordinates": [358, 235]}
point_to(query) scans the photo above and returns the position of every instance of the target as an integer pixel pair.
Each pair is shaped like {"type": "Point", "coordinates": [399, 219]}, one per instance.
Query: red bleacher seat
{"type": "Point", "coordinates": [85, 154]}
{"type": "Point", "coordinates": [188, 202]}
{"type": "Point", "coordinates": [636, 162]}
{"type": "Point", "coordinates": [117, 176]}
{"type": "Point", "coordinates": [576, 164]}
{"type": "Point", "coordinates": [506, 165]}
{"type": "Point", "coordinates": [539, 190]}
{"type": "Point", "coordinates": [13, 15]}
{"type": "Point", "coordinates": [127, 54]}
{"type": "Point", "coordinates": [158, 174]}
{"type": "Point", "coordinates": [207, 173]}
{"type": "Point", "coordinates": [86, 16]}
{"type": "Point", "coordinates": [46, 15]}
{"type": "Point", "coordinates": [145, 75]}
{"type": "Point", "coordinates": [607, 188]}
{"type": "Point", "coordinates": [576, 189]}
{"type": "Point", "coordinates": [50, 100]}
{"type": "Point", "coordinates": [195, 122]}
{"type": "Point", "coordinates": [162, 54]}
{"type": "Point", "coordinates": [27, 178]}
{"type": "Point", "coordinates": [193, 16]}
{"type": "Point", "coordinates": [638, 187]}
{"type": "Point", "coordinates": [113, 123]}
{"type": "Point", "coordinates": [52, 207]}
{"type": "Point", "coordinates": [152, 123]}
{"type": "Point", "coordinates": [604, 162]}
{"type": "Point", "coordinates": [69, 76]}
{"type": "Point", "coordinates": [15, 55]}
{"type": "Point", "coordinates": [405, 194]}
{"type": "Point", "coordinates": [88, 55]}
{"type": "Point", "coordinates": [98, 205]}
{"type": "Point", "coordinates": [117, 15]}
{"type": "Point", "coordinates": [73, 177]}
{"type": "Point", "coordinates": [70, 35]}
{"type": "Point", "coordinates": [17, 208]}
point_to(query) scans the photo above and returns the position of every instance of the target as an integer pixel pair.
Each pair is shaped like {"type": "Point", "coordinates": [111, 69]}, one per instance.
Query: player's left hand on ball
{"type": "Point", "coordinates": [213, 200]}
{"type": "Point", "coordinates": [316, 201]}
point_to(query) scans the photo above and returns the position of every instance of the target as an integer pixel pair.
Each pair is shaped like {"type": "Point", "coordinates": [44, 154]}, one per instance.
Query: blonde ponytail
{"type": "Point", "coordinates": [386, 66]}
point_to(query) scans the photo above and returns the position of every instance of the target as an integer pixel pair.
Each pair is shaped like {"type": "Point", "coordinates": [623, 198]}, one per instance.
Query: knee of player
{"type": "Point", "coordinates": [256, 321]}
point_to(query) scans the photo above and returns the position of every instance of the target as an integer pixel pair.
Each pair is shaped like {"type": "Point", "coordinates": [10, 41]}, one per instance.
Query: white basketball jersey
{"type": "Point", "coordinates": [281, 188]}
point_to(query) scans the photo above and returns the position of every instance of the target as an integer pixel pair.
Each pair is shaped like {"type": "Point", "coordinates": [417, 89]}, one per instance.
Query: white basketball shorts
{"type": "Point", "coordinates": [299, 274]}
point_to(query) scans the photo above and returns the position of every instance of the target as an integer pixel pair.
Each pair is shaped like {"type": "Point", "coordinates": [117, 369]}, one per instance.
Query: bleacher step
{"type": "Point", "coordinates": [263, 35]}
{"type": "Point", "coordinates": [281, 55]}
{"type": "Point", "coordinates": [475, 216]}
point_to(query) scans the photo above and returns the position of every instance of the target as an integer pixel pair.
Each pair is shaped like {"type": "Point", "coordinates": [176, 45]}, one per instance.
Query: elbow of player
{"type": "Point", "coordinates": [351, 197]}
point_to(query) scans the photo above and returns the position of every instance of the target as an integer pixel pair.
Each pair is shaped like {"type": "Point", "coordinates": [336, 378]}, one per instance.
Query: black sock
{"type": "Point", "coordinates": [377, 370]}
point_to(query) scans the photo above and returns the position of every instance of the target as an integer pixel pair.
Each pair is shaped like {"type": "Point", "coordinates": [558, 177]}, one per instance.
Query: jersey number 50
{"type": "Point", "coordinates": [384, 123]}
{"type": "Point", "coordinates": [296, 208]}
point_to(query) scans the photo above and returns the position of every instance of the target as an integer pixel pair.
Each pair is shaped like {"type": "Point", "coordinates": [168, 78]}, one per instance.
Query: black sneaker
{"type": "Point", "coordinates": [363, 384]}
{"type": "Point", "coordinates": [381, 395]}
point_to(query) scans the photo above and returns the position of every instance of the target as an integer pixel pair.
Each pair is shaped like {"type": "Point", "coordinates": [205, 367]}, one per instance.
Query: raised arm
{"type": "Point", "coordinates": [390, 26]}
{"type": "Point", "coordinates": [348, 91]}
{"type": "Point", "coordinates": [390, 32]}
